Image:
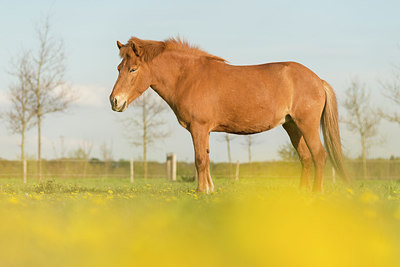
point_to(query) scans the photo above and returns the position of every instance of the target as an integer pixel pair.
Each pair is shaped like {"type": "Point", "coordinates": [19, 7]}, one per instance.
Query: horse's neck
{"type": "Point", "coordinates": [165, 91]}
{"type": "Point", "coordinates": [166, 78]}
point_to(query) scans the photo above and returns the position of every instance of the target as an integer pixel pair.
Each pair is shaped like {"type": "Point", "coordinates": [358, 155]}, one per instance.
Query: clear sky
{"type": "Point", "coordinates": [336, 39]}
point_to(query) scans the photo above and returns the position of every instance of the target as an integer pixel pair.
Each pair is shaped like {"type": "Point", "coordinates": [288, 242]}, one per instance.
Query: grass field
{"type": "Point", "coordinates": [252, 222]}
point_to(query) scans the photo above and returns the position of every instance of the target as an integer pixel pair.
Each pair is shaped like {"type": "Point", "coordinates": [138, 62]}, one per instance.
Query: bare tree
{"type": "Point", "coordinates": [83, 151]}
{"type": "Point", "coordinates": [228, 138]}
{"type": "Point", "coordinates": [82, 154]}
{"type": "Point", "coordinates": [248, 143]}
{"type": "Point", "coordinates": [50, 92]}
{"type": "Point", "coordinates": [62, 154]}
{"type": "Point", "coordinates": [287, 152]}
{"type": "Point", "coordinates": [106, 152]}
{"type": "Point", "coordinates": [107, 155]}
{"type": "Point", "coordinates": [391, 90]}
{"type": "Point", "coordinates": [361, 118]}
{"type": "Point", "coordinates": [145, 126]}
{"type": "Point", "coordinates": [19, 117]}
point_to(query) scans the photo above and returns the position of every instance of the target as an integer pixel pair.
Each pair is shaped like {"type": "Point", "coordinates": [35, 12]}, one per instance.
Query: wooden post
{"type": "Point", "coordinates": [132, 171]}
{"type": "Point", "coordinates": [24, 170]}
{"type": "Point", "coordinates": [237, 171]}
{"type": "Point", "coordinates": [333, 175]}
{"type": "Point", "coordinates": [168, 169]}
{"type": "Point", "coordinates": [171, 167]}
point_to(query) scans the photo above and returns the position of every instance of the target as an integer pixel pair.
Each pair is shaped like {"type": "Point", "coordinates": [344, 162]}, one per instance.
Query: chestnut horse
{"type": "Point", "coordinates": [209, 95]}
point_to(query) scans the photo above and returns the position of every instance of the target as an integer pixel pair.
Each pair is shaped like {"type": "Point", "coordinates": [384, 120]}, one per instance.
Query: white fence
{"type": "Point", "coordinates": [376, 169]}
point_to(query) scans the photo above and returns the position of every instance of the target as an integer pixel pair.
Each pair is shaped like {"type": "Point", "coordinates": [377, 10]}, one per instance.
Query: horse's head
{"type": "Point", "coordinates": [134, 71]}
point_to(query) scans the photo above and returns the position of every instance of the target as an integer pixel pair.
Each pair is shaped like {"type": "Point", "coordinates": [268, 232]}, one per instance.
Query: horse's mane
{"type": "Point", "coordinates": [184, 46]}
{"type": "Point", "coordinates": [149, 49]}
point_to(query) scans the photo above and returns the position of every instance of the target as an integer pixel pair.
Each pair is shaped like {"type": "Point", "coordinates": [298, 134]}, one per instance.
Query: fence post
{"type": "Point", "coordinates": [168, 169]}
{"type": "Point", "coordinates": [237, 171]}
{"type": "Point", "coordinates": [24, 170]}
{"type": "Point", "coordinates": [171, 166]}
{"type": "Point", "coordinates": [333, 175]}
{"type": "Point", "coordinates": [132, 171]}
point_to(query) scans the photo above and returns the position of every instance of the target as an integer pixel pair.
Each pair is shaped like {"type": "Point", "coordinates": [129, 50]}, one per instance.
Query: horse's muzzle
{"type": "Point", "coordinates": [118, 104]}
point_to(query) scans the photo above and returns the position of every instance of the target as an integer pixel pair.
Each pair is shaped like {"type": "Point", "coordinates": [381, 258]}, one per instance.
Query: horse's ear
{"type": "Point", "coordinates": [119, 45]}
{"type": "Point", "coordinates": [136, 48]}
{"type": "Point", "coordinates": [146, 49]}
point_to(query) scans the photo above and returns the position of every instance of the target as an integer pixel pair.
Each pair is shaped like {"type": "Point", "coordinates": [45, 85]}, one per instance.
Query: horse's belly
{"type": "Point", "coordinates": [249, 125]}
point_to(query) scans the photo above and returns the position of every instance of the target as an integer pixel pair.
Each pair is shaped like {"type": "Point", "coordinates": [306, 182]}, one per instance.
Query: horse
{"type": "Point", "coordinates": [207, 94]}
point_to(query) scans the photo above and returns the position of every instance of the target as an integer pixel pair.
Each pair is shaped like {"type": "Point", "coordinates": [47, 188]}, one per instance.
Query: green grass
{"type": "Point", "coordinates": [252, 222]}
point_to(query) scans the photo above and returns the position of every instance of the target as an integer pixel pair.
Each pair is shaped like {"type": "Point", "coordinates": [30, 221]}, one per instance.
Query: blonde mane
{"type": "Point", "coordinates": [184, 46]}
{"type": "Point", "coordinates": [149, 49]}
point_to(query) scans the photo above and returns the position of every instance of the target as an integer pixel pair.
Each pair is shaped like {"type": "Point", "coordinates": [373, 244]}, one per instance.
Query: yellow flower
{"type": "Point", "coordinates": [13, 200]}
{"type": "Point", "coordinates": [369, 197]}
{"type": "Point", "coordinates": [350, 191]}
{"type": "Point", "coordinates": [397, 213]}
{"type": "Point", "coordinates": [370, 213]}
{"type": "Point", "coordinates": [37, 197]}
{"type": "Point", "coordinates": [110, 192]}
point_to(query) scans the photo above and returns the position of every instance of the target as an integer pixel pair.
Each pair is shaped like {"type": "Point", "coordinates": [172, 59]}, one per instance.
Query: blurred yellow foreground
{"type": "Point", "coordinates": [153, 223]}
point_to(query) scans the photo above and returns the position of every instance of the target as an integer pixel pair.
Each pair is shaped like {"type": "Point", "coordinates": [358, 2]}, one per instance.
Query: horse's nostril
{"type": "Point", "coordinates": [115, 102]}
{"type": "Point", "coordinates": [123, 106]}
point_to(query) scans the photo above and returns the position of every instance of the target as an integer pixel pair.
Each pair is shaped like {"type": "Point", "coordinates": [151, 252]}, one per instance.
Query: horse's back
{"type": "Point", "coordinates": [256, 98]}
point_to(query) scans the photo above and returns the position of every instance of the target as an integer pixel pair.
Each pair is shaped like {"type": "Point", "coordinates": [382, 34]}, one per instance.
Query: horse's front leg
{"type": "Point", "coordinates": [202, 160]}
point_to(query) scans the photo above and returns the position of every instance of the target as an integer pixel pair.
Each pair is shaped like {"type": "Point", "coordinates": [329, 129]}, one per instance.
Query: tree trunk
{"type": "Point", "coordinates": [228, 145]}
{"type": "Point", "coordinates": [144, 118]}
{"type": "Point", "coordinates": [23, 150]}
{"type": "Point", "coordinates": [144, 158]}
{"type": "Point", "coordinates": [39, 117]}
{"type": "Point", "coordinates": [363, 156]}
{"type": "Point", "coordinates": [39, 149]}
{"type": "Point", "coordinates": [23, 142]}
{"type": "Point", "coordinates": [249, 151]}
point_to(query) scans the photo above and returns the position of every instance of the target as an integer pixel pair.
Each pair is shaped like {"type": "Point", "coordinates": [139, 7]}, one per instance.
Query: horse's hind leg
{"type": "Point", "coordinates": [209, 181]}
{"type": "Point", "coordinates": [202, 161]}
{"type": "Point", "coordinates": [309, 127]}
{"type": "Point", "coordinates": [297, 139]}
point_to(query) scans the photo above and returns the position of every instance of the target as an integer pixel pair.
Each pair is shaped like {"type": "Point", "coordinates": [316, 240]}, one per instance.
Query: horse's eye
{"type": "Point", "coordinates": [132, 70]}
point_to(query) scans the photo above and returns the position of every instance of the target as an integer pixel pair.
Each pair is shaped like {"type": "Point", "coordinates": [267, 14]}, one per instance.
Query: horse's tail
{"type": "Point", "coordinates": [330, 130]}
